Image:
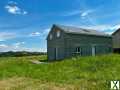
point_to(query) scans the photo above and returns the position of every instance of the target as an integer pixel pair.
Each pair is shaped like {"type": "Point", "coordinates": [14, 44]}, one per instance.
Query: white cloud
{"type": "Point", "coordinates": [86, 13]}
{"type": "Point", "coordinates": [19, 46]}
{"type": "Point", "coordinates": [12, 8]}
{"type": "Point", "coordinates": [3, 46]}
{"type": "Point", "coordinates": [35, 34]}
{"type": "Point", "coordinates": [42, 34]}
{"type": "Point", "coordinates": [6, 35]}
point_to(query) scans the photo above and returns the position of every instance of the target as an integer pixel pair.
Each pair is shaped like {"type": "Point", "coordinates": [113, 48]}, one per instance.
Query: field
{"type": "Point", "coordinates": [77, 73]}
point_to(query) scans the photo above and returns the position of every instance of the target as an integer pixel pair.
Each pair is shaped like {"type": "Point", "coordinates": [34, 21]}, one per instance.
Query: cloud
{"type": "Point", "coordinates": [12, 47]}
{"type": "Point", "coordinates": [77, 12]}
{"type": "Point", "coordinates": [86, 13]}
{"type": "Point", "coordinates": [6, 36]}
{"type": "Point", "coordinates": [3, 46]}
{"type": "Point", "coordinates": [35, 34]}
{"type": "Point", "coordinates": [42, 34]}
{"type": "Point", "coordinates": [12, 8]}
{"type": "Point", "coordinates": [19, 46]}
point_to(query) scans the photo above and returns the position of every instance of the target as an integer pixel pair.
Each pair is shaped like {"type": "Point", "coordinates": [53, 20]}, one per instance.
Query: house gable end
{"type": "Point", "coordinates": [53, 31]}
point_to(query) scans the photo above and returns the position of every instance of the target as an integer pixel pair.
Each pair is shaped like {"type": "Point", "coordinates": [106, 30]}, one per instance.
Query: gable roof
{"type": "Point", "coordinates": [116, 31]}
{"type": "Point", "coordinates": [76, 30]}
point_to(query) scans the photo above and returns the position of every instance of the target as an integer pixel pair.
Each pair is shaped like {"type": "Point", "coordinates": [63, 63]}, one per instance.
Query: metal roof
{"type": "Point", "coordinates": [116, 31]}
{"type": "Point", "coordinates": [76, 30]}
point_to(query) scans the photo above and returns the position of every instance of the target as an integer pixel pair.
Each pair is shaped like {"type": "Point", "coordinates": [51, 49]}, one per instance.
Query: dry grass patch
{"type": "Point", "coordinates": [20, 83]}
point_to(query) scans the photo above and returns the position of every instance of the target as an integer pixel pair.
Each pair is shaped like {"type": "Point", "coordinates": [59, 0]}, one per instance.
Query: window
{"type": "Point", "coordinates": [79, 51]}
{"type": "Point", "coordinates": [58, 33]}
{"type": "Point", "coordinates": [51, 36]}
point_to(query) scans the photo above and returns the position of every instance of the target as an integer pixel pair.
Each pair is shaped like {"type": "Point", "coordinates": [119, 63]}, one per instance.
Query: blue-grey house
{"type": "Point", "coordinates": [67, 41]}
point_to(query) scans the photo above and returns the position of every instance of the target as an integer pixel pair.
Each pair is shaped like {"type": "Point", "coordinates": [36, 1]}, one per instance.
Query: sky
{"type": "Point", "coordinates": [25, 24]}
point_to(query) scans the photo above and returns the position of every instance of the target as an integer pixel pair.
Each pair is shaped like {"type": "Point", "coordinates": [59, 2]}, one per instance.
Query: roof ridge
{"type": "Point", "coordinates": [76, 27]}
{"type": "Point", "coordinates": [79, 30]}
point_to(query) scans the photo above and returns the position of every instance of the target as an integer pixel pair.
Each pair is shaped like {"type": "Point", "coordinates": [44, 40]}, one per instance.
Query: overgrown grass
{"type": "Point", "coordinates": [79, 73]}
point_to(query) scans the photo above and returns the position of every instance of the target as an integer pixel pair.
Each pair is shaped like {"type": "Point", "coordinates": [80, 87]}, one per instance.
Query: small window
{"type": "Point", "coordinates": [51, 36]}
{"type": "Point", "coordinates": [58, 33]}
{"type": "Point", "coordinates": [78, 49]}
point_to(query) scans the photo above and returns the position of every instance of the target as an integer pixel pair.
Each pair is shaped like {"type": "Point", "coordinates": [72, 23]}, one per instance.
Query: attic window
{"type": "Point", "coordinates": [51, 36]}
{"type": "Point", "coordinates": [58, 33]}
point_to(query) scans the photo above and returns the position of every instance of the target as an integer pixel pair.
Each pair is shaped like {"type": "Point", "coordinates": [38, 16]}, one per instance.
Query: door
{"type": "Point", "coordinates": [93, 50]}
{"type": "Point", "coordinates": [56, 53]}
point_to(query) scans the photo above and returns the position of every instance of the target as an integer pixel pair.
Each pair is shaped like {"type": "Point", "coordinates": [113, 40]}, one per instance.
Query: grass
{"type": "Point", "coordinates": [77, 73]}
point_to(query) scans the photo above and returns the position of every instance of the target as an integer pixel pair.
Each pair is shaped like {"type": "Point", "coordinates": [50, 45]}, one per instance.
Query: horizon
{"type": "Point", "coordinates": [24, 24]}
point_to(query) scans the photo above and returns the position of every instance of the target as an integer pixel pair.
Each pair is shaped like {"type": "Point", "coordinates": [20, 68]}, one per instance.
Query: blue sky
{"type": "Point", "coordinates": [24, 24]}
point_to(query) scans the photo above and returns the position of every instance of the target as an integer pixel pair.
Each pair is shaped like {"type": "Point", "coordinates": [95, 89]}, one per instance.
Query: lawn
{"type": "Point", "coordinates": [77, 73]}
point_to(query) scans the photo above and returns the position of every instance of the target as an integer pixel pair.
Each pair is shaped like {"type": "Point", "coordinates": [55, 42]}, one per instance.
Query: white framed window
{"type": "Point", "coordinates": [51, 36]}
{"type": "Point", "coordinates": [79, 50]}
{"type": "Point", "coordinates": [58, 33]}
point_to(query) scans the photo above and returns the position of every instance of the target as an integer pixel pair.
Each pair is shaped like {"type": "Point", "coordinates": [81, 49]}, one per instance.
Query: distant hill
{"type": "Point", "coordinates": [19, 54]}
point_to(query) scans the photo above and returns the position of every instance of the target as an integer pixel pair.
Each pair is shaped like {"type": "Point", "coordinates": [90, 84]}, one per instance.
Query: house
{"type": "Point", "coordinates": [116, 41]}
{"type": "Point", "coordinates": [66, 41]}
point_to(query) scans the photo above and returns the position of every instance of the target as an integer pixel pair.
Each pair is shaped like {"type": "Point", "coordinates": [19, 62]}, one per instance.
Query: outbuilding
{"type": "Point", "coordinates": [66, 41]}
{"type": "Point", "coordinates": [116, 41]}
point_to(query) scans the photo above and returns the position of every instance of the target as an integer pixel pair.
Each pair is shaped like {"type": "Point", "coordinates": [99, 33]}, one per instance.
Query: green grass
{"type": "Point", "coordinates": [77, 73]}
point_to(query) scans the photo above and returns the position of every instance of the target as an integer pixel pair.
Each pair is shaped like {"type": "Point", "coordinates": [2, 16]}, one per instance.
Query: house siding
{"type": "Point", "coordinates": [102, 44]}
{"type": "Point", "coordinates": [116, 40]}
